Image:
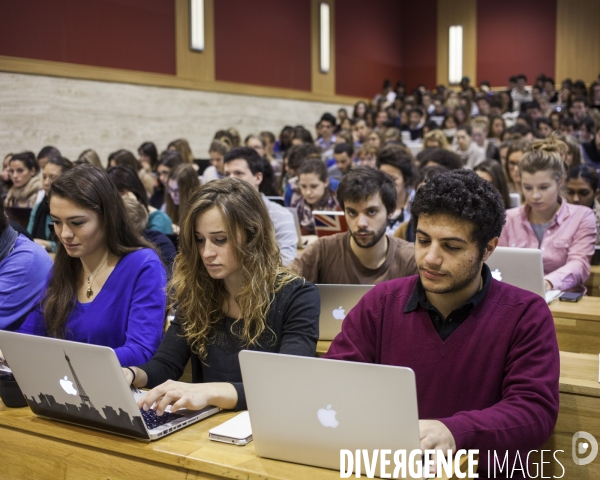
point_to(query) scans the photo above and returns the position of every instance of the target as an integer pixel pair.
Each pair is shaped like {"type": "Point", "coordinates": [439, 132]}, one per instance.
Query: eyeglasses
{"type": "Point", "coordinates": [173, 190]}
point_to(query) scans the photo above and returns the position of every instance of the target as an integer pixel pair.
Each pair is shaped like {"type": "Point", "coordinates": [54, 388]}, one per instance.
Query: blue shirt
{"type": "Point", "coordinates": [128, 314]}
{"type": "Point", "coordinates": [23, 275]}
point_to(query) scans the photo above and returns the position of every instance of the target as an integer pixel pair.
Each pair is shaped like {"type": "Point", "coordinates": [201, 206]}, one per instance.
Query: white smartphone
{"type": "Point", "coordinates": [236, 430]}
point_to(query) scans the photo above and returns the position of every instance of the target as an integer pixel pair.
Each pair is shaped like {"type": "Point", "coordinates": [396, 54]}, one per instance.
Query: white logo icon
{"type": "Point", "coordinates": [327, 417]}
{"type": "Point", "coordinates": [339, 313]}
{"type": "Point", "coordinates": [582, 447]}
{"type": "Point", "coordinates": [67, 386]}
{"type": "Point", "coordinates": [497, 275]}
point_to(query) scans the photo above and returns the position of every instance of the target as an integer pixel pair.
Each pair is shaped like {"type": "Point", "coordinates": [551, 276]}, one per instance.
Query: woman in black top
{"type": "Point", "coordinates": [232, 293]}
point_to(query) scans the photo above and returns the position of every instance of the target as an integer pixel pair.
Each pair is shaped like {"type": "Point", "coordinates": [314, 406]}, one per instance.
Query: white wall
{"type": "Point", "coordinates": [74, 115]}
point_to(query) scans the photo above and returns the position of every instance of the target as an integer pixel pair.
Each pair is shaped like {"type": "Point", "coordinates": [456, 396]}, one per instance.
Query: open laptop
{"type": "Point", "coordinates": [84, 385]}
{"type": "Point", "coordinates": [329, 223]}
{"type": "Point", "coordinates": [336, 302]}
{"type": "Point", "coordinates": [305, 410]}
{"type": "Point", "coordinates": [521, 267]}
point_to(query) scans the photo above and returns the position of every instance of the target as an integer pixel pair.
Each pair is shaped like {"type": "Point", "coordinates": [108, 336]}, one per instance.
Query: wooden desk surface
{"type": "Point", "coordinates": [37, 448]}
{"type": "Point", "coordinates": [579, 374]}
{"type": "Point", "coordinates": [588, 308]}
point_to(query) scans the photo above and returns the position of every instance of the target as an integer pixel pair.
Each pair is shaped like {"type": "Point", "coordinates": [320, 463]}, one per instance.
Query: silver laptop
{"type": "Point", "coordinates": [305, 410]}
{"type": "Point", "coordinates": [84, 384]}
{"type": "Point", "coordinates": [336, 302]}
{"type": "Point", "coordinates": [521, 267]}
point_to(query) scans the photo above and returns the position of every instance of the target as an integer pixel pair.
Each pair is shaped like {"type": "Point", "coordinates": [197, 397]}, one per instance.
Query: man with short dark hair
{"type": "Point", "coordinates": [46, 154]}
{"type": "Point", "coordinates": [579, 108]}
{"type": "Point", "coordinates": [244, 163]}
{"type": "Point", "coordinates": [364, 254]}
{"type": "Point", "coordinates": [326, 138]}
{"type": "Point", "coordinates": [415, 124]}
{"type": "Point", "coordinates": [360, 131]}
{"type": "Point", "coordinates": [484, 352]}
{"type": "Point", "coordinates": [24, 269]}
{"type": "Point", "coordinates": [343, 154]}
{"type": "Point", "coordinates": [520, 94]}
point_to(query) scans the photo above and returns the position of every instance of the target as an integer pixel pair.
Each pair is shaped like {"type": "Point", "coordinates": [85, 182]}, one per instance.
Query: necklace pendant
{"type": "Point", "coordinates": [89, 292]}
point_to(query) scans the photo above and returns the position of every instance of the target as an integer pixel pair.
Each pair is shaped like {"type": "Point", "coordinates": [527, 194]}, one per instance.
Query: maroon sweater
{"type": "Point", "coordinates": [493, 382]}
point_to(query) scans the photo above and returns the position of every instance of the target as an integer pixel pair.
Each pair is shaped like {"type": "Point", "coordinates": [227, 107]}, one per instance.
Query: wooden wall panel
{"type": "Point", "coordinates": [578, 40]}
{"type": "Point", "coordinates": [457, 12]}
{"type": "Point", "coordinates": [190, 64]}
{"type": "Point", "coordinates": [323, 83]}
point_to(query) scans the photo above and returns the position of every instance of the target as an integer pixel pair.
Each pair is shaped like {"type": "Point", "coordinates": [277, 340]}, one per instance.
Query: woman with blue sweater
{"type": "Point", "coordinates": [107, 285]}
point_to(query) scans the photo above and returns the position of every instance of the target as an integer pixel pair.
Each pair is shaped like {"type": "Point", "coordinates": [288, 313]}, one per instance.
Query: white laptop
{"type": "Point", "coordinates": [521, 267]}
{"type": "Point", "coordinates": [84, 384]}
{"type": "Point", "coordinates": [336, 302]}
{"type": "Point", "coordinates": [305, 410]}
{"type": "Point", "coordinates": [515, 200]}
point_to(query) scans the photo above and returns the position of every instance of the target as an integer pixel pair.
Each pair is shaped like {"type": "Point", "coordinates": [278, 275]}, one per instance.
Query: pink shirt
{"type": "Point", "coordinates": [567, 246]}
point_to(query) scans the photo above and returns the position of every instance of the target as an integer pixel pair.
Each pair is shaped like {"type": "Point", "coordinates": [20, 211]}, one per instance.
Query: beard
{"type": "Point", "coordinates": [365, 242]}
{"type": "Point", "coordinates": [457, 282]}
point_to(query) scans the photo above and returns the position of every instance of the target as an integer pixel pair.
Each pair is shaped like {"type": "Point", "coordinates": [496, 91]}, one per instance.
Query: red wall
{"type": "Point", "coordinates": [368, 46]}
{"type": "Point", "coordinates": [263, 42]}
{"type": "Point", "coordinates": [418, 37]}
{"type": "Point", "coordinates": [129, 34]}
{"type": "Point", "coordinates": [513, 37]}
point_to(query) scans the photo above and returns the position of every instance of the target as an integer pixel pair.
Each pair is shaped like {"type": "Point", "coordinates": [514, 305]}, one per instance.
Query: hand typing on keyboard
{"type": "Point", "coordinates": [193, 396]}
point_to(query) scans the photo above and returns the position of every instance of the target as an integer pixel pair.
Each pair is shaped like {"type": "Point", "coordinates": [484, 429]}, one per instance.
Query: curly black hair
{"type": "Point", "coordinates": [465, 195]}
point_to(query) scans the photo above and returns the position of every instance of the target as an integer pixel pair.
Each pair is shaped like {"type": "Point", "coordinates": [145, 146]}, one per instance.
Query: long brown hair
{"type": "Point", "coordinates": [198, 297]}
{"type": "Point", "coordinates": [90, 188]}
{"type": "Point", "coordinates": [187, 182]}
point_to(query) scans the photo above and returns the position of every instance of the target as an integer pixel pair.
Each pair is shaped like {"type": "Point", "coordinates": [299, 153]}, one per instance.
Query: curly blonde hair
{"type": "Point", "coordinates": [199, 298]}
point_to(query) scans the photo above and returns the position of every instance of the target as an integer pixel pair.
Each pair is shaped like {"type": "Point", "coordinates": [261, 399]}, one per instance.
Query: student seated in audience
{"type": "Point", "coordinates": [125, 157]}
{"type": "Point", "coordinates": [40, 220]}
{"type": "Point", "coordinates": [138, 215]}
{"type": "Point", "coordinates": [435, 139]}
{"type": "Point", "coordinates": [439, 157]}
{"type": "Point", "coordinates": [364, 254]}
{"type": "Point", "coordinates": [89, 157]}
{"type": "Point", "coordinates": [406, 230]}
{"type": "Point", "coordinates": [565, 233]}
{"type": "Point", "coordinates": [442, 322]}
{"type": "Point", "coordinates": [295, 157]}
{"type": "Point", "coordinates": [26, 188]}
{"type": "Point", "coordinates": [315, 194]}
{"type": "Point", "coordinates": [216, 151]}
{"type": "Point", "coordinates": [367, 156]}
{"type": "Point", "coordinates": [399, 165]}
{"type": "Point", "coordinates": [244, 163]}
{"type": "Point", "coordinates": [24, 268]}
{"type": "Point", "coordinates": [470, 153]}
{"type": "Point", "coordinates": [491, 170]}
{"type": "Point", "coordinates": [182, 182]}
{"type": "Point", "coordinates": [231, 292]}
{"type": "Point", "coordinates": [129, 184]}
{"type": "Point", "coordinates": [148, 157]}
{"type": "Point", "coordinates": [107, 285]}
{"type": "Point", "coordinates": [46, 154]}
{"type": "Point", "coordinates": [582, 189]}
{"type": "Point", "coordinates": [5, 181]}
{"type": "Point", "coordinates": [343, 153]}
{"type": "Point", "coordinates": [182, 146]}
{"type": "Point", "coordinates": [515, 152]}
{"type": "Point", "coordinates": [415, 124]}
{"type": "Point", "coordinates": [169, 159]}
{"type": "Point", "coordinates": [327, 137]}
{"type": "Point", "coordinates": [360, 131]}
{"type": "Point", "coordinates": [590, 151]}
{"type": "Point", "coordinates": [480, 127]}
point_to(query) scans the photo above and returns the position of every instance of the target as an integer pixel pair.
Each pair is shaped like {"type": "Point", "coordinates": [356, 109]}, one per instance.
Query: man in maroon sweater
{"type": "Point", "coordinates": [484, 352]}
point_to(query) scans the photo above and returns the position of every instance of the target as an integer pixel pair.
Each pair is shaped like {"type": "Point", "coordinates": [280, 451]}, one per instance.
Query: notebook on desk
{"type": "Point", "coordinates": [336, 302]}
{"type": "Point", "coordinates": [84, 385]}
{"type": "Point", "coordinates": [305, 410]}
{"type": "Point", "coordinates": [523, 268]}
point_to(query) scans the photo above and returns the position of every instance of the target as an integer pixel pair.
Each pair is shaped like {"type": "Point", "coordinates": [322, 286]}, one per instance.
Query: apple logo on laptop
{"type": "Point", "coordinates": [339, 313]}
{"type": "Point", "coordinates": [497, 275]}
{"type": "Point", "coordinates": [327, 417]}
{"type": "Point", "coordinates": [67, 386]}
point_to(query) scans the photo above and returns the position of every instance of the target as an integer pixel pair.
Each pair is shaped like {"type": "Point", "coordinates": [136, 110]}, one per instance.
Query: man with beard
{"type": "Point", "coordinates": [484, 352]}
{"type": "Point", "coordinates": [364, 254]}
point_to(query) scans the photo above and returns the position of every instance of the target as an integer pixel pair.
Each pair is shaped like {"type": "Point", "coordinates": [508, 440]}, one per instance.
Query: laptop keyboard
{"type": "Point", "coordinates": [153, 420]}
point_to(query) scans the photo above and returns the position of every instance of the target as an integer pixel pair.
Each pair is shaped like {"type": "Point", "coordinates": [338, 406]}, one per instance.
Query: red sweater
{"type": "Point", "coordinates": [493, 382]}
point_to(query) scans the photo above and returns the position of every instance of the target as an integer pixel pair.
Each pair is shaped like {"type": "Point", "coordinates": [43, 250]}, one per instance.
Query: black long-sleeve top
{"type": "Point", "coordinates": [293, 319]}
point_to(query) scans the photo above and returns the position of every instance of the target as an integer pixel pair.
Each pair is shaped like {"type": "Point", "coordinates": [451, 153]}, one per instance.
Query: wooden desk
{"type": "Point", "coordinates": [578, 325]}
{"type": "Point", "coordinates": [593, 283]}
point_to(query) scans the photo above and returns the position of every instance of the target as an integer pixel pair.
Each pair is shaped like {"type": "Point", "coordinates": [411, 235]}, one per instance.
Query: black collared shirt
{"type": "Point", "coordinates": [446, 327]}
